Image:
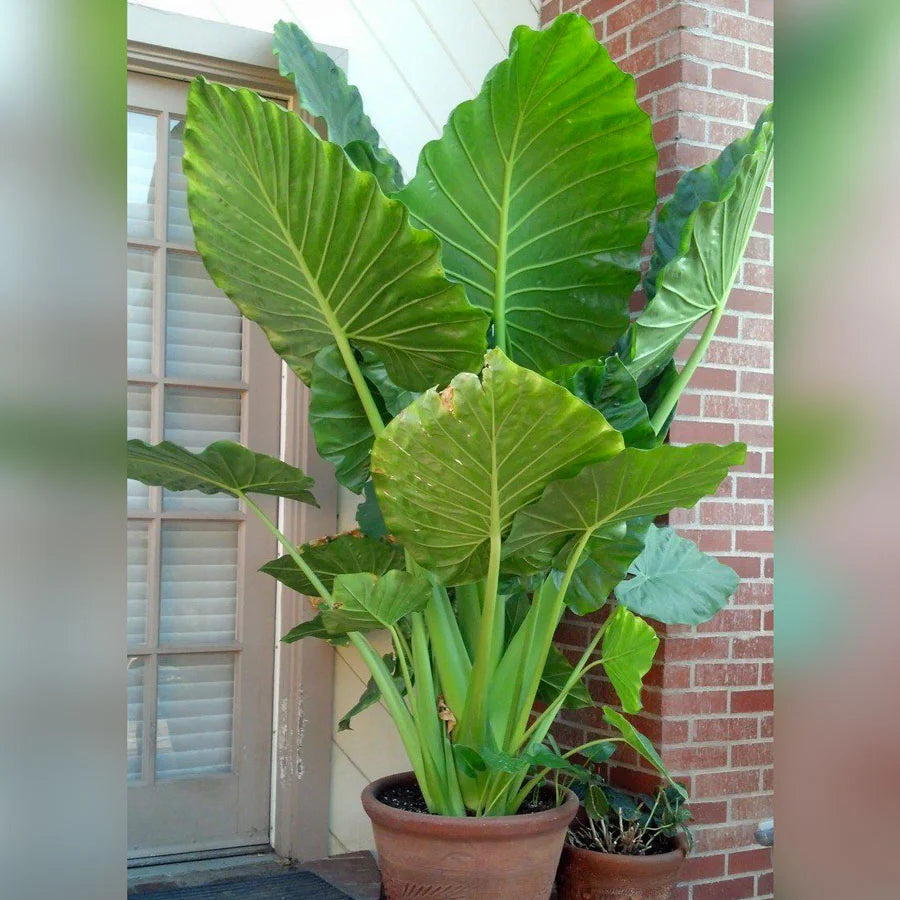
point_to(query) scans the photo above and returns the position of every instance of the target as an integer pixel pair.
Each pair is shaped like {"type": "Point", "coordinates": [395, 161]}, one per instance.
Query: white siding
{"type": "Point", "coordinates": [413, 61]}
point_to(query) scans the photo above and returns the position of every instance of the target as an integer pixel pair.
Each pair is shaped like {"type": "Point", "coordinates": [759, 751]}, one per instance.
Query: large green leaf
{"type": "Point", "coordinates": [641, 745]}
{"type": "Point", "coordinates": [607, 385]}
{"type": "Point", "coordinates": [634, 483]}
{"type": "Point", "coordinates": [712, 212]}
{"type": "Point", "coordinates": [222, 468]}
{"type": "Point", "coordinates": [606, 558]}
{"type": "Point", "coordinates": [456, 465]}
{"type": "Point", "coordinates": [339, 423]}
{"type": "Point", "coordinates": [308, 246]}
{"type": "Point", "coordinates": [557, 671]}
{"type": "Point", "coordinates": [363, 601]}
{"type": "Point", "coordinates": [629, 645]}
{"type": "Point", "coordinates": [341, 555]}
{"type": "Point", "coordinates": [706, 184]}
{"type": "Point", "coordinates": [323, 91]}
{"type": "Point", "coordinates": [541, 190]}
{"type": "Point", "coordinates": [674, 582]}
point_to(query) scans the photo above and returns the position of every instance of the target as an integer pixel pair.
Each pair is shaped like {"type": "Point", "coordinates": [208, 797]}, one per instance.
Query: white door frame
{"type": "Point", "coordinates": [177, 46]}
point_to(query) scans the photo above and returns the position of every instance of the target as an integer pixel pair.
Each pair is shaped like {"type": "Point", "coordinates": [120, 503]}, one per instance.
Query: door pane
{"type": "Point", "coordinates": [194, 418]}
{"type": "Point", "coordinates": [135, 717]}
{"type": "Point", "coordinates": [142, 174]}
{"type": "Point", "coordinates": [140, 311]}
{"type": "Point", "coordinates": [138, 427]}
{"type": "Point", "coordinates": [203, 327]}
{"type": "Point", "coordinates": [180, 231]}
{"type": "Point", "coordinates": [138, 546]}
{"type": "Point", "coordinates": [198, 582]}
{"type": "Point", "coordinates": [195, 712]}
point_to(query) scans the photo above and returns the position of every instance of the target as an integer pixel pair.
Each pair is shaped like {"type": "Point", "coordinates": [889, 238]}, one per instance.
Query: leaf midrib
{"type": "Point", "coordinates": [315, 289]}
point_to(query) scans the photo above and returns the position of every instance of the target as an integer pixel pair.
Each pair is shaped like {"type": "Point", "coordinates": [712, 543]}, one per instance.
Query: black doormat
{"type": "Point", "coordinates": [289, 886]}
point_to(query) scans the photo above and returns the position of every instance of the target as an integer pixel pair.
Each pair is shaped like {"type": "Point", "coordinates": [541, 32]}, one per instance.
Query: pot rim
{"type": "Point", "coordinates": [655, 860]}
{"type": "Point", "coordinates": [484, 827]}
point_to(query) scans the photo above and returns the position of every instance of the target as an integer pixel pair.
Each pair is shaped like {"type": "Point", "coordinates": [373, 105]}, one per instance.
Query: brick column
{"type": "Point", "coordinates": [704, 73]}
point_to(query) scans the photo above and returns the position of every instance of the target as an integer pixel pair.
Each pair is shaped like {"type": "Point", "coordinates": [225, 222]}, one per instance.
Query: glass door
{"type": "Point", "coordinates": [201, 618]}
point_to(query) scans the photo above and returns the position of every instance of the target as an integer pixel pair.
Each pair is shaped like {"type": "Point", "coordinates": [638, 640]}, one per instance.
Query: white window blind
{"type": "Point", "coordinates": [198, 582]}
{"type": "Point", "coordinates": [179, 226]}
{"type": "Point", "coordinates": [140, 311]}
{"type": "Point", "coordinates": [138, 571]}
{"type": "Point", "coordinates": [142, 143]}
{"type": "Point", "coordinates": [138, 421]}
{"type": "Point", "coordinates": [203, 328]}
{"type": "Point", "coordinates": [187, 385]}
{"type": "Point", "coordinates": [135, 717]}
{"type": "Point", "coordinates": [195, 714]}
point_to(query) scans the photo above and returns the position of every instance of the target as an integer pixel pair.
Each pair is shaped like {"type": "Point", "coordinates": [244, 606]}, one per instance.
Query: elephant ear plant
{"type": "Point", "coordinates": [474, 374]}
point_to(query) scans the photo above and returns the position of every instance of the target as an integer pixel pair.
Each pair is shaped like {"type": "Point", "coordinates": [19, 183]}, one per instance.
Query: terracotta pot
{"type": "Point", "coordinates": [498, 857]}
{"type": "Point", "coordinates": [589, 875]}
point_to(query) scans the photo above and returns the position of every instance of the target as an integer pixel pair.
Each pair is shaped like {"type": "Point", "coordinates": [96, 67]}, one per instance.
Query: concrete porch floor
{"type": "Point", "coordinates": [354, 873]}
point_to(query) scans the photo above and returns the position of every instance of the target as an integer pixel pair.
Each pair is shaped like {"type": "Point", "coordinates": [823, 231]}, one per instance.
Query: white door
{"type": "Point", "coordinates": [201, 618]}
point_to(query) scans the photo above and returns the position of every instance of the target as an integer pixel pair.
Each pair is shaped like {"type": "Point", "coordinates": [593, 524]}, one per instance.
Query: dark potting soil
{"type": "Point", "coordinates": [409, 798]}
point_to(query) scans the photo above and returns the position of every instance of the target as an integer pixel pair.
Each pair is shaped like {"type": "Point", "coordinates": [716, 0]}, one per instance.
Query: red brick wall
{"type": "Point", "coordinates": [704, 73]}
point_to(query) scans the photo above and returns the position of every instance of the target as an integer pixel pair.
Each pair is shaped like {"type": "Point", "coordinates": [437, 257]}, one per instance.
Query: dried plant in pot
{"type": "Point", "coordinates": [623, 846]}
{"type": "Point", "coordinates": [475, 376]}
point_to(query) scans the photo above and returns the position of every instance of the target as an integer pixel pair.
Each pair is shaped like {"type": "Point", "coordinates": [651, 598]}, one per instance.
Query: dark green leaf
{"type": "Point", "coordinates": [372, 693]}
{"type": "Point", "coordinates": [368, 514]}
{"type": "Point", "coordinates": [469, 760]}
{"type": "Point", "coordinates": [379, 162]}
{"type": "Point", "coordinates": [595, 803]}
{"type": "Point", "coordinates": [364, 602]}
{"type": "Point", "coordinates": [557, 671]}
{"type": "Point", "coordinates": [599, 753]}
{"type": "Point", "coordinates": [654, 392]}
{"type": "Point", "coordinates": [339, 423]}
{"type": "Point", "coordinates": [605, 561]}
{"type": "Point", "coordinates": [395, 399]}
{"type": "Point", "coordinates": [609, 387]}
{"type": "Point", "coordinates": [307, 246]}
{"type": "Point", "coordinates": [517, 593]}
{"type": "Point", "coordinates": [313, 628]}
{"type": "Point", "coordinates": [716, 210]}
{"type": "Point", "coordinates": [629, 645]}
{"type": "Point", "coordinates": [222, 468]}
{"type": "Point", "coordinates": [541, 190]}
{"type": "Point", "coordinates": [634, 483]}
{"type": "Point", "coordinates": [453, 465]}
{"type": "Point", "coordinates": [623, 801]}
{"type": "Point", "coordinates": [341, 555]}
{"type": "Point", "coordinates": [323, 91]}
{"type": "Point", "coordinates": [675, 582]}
{"type": "Point", "coordinates": [542, 757]}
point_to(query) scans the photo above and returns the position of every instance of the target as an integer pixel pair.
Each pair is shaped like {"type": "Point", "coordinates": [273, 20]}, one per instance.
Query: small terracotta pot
{"type": "Point", "coordinates": [497, 857]}
{"type": "Point", "coordinates": [589, 875]}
